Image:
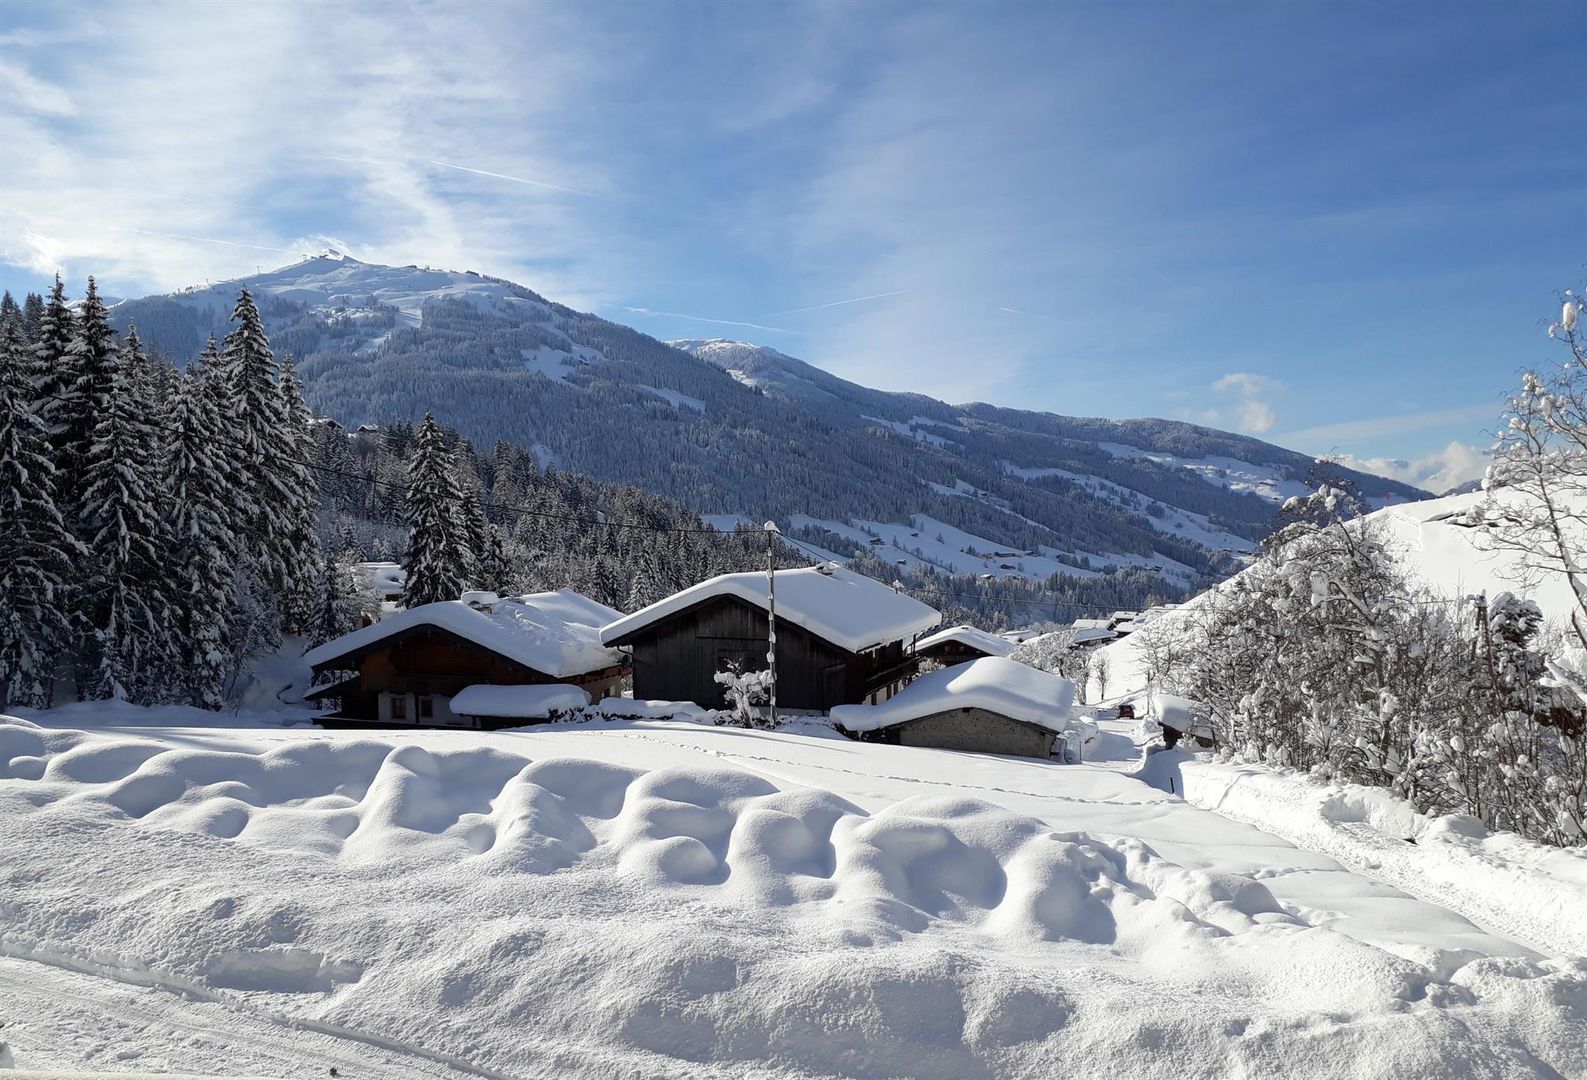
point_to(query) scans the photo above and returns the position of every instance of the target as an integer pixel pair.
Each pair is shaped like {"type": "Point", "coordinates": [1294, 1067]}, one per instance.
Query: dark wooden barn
{"type": "Point", "coordinates": [841, 639]}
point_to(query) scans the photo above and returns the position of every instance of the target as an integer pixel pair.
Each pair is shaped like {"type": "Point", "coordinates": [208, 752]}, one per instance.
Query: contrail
{"type": "Point", "coordinates": [702, 318]}
{"type": "Point", "coordinates": [202, 239]}
{"type": "Point", "coordinates": [514, 179]}
{"type": "Point", "coordinates": [840, 303]}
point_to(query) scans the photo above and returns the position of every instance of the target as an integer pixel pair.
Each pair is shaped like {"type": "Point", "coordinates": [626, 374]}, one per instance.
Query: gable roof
{"type": "Point", "coordinates": [849, 610]}
{"type": "Point", "coordinates": [973, 636]}
{"type": "Point", "coordinates": [555, 633]}
{"type": "Point", "coordinates": [994, 683]}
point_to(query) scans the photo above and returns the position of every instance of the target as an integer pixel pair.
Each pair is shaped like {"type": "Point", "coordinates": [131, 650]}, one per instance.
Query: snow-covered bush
{"type": "Point", "coordinates": [743, 689]}
{"type": "Point", "coordinates": [1324, 656]}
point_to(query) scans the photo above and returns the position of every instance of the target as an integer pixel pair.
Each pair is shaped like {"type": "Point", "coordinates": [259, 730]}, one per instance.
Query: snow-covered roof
{"type": "Point", "coordinates": [386, 578]}
{"type": "Point", "coordinates": [993, 683]}
{"type": "Point", "coordinates": [1179, 713]}
{"type": "Point", "coordinates": [1091, 624]}
{"type": "Point", "coordinates": [1089, 635]}
{"type": "Point", "coordinates": [973, 636]}
{"type": "Point", "coordinates": [555, 633]}
{"type": "Point", "coordinates": [534, 702]}
{"type": "Point", "coordinates": [849, 610]}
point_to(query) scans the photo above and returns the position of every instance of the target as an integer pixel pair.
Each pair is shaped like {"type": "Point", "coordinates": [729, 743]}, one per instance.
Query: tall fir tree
{"type": "Point", "coordinates": [37, 552]}
{"type": "Point", "coordinates": [32, 317]}
{"type": "Point", "coordinates": [126, 608]}
{"type": "Point", "coordinates": [302, 557]}
{"type": "Point", "coordinates": [90, 364]}
{"type": "Point", "coordinates": [437, 560]}
{"type": "Point", "coordinates": [50, 369]}
{"type": "Point", "coordinates": [265, 451]}
{"type": "Point", "coordinates": [202, 543]}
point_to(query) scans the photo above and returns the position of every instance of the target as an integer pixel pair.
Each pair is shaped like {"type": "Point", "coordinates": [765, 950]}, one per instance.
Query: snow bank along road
{"type": "Point", "coordinates": [676, 900]}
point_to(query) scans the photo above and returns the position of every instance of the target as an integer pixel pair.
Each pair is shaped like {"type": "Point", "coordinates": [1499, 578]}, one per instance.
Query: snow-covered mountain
{"type": "Point", "coordinates": [730, 428]}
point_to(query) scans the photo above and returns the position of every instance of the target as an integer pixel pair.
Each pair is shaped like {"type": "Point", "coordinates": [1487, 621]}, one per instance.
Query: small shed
{"type": "Point", "coordinates": [992, 706]}
{"type": "Point", "coordinates": [407, 668]}
{"type": "Point", "coordinates": [957, 644]}
{"type": "Point", "coordinates": [841, 638]}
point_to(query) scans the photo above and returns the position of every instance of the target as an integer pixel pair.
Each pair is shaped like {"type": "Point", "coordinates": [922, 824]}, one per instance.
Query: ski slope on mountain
{"type": "Point", "coordinates": [671, 899]}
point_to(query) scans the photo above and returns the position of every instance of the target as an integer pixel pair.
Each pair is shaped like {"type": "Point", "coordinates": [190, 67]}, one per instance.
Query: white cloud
{"type": "Point", "coordinates": [1251, 413]}
{"type": "Point", "coordinates": [1456, 464]}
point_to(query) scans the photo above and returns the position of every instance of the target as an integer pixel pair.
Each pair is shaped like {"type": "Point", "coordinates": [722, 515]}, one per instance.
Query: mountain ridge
{"type": "Point", "coordinates": [731, 428]}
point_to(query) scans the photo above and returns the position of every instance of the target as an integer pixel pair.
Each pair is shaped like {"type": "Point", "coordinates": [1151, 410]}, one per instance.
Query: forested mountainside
{"type": "Point", "coordinates": [725, 428]}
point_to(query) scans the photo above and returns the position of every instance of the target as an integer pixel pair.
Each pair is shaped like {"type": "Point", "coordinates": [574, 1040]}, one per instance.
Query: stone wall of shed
{"type": "Point", "coordinates": [976, 730]}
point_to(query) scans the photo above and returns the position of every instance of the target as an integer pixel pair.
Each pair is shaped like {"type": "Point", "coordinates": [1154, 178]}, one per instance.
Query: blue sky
{"type": "Point", "coordinates": [1338, 226]}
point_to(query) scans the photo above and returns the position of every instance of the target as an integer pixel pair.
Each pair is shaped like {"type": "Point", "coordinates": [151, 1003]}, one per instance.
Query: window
{"type": "Point", "coordinates": [396, 708]}
{"type": "Point", "coordinates": [426, 708]}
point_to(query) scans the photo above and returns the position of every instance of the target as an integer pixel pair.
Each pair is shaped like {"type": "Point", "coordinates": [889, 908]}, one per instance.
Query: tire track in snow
{"type": "Point", "coordinates": [139, 975]}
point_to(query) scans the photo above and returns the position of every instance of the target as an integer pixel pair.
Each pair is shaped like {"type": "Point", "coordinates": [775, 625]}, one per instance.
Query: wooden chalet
{"type": "Point", "coordinates": [960, 644]}
{"type": "Point", "coordinates": [406, 668]}
{"type": "Point", "coordinates": [841, 638]}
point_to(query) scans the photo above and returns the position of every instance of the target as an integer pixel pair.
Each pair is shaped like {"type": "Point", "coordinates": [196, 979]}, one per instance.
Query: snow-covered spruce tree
{"type": "Point", "coordinates": [203, 547]}
{"type": "Point", "coordinates": [333, 614]}
{"type": "Point", "coordinates": [126, 604]}
{"type": "Point", "coordinates": [87, 372]}
{"type": "Point", "coordinates": [38, 554]}
{"type": "Point", "coordinates": [471, 523]}
{"type": "Point", "coordinates": [438, 557]}
{"type": "Point", "coordinates": [32, 317]}
{"type": "Point", "coordinates": [302, 555]}
{"type": "Point", "coordinates": [265, 446]}
{"type": "Point", "coordinates": [49, 341]}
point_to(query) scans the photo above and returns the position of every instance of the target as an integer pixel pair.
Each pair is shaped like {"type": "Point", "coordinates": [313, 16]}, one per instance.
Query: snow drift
{"type": "Point", "coordinates": [658, 910]}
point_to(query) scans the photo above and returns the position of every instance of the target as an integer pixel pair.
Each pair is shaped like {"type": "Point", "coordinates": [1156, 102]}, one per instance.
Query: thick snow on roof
{"type": "Point", "coordinates": [993, 683]}
{"type": "Point", "coordinates": [519, 702]}
{"type": "Point", "coordinates": [556, 633]}
{"type": "Point", "coordinates": [973, 636]}
{"type": "Point", "coordinates": [849, 610]}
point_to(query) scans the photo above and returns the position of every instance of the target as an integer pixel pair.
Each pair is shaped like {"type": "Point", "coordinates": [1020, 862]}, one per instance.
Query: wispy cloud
{"type": "Point", "coordinates": [202, 239]}
{"type": "Point", "coordinates": [515, 179]}
{"type": "Point", "coordinates": [1326, 435]}
{"type": "Point", "coordinates": [703, 319]}
{"type": "Point", "coordinates": [841, 303]}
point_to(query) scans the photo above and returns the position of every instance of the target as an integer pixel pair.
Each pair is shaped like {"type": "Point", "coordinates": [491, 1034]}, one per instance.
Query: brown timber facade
{"type": "Point", "coordinates": [677, 658]}
{"type": "Point", "coordinates": [410, 678]}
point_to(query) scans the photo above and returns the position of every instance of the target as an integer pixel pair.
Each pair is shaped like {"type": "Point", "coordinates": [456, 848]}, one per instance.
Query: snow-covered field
{"type": "Point", "coordinates": [669, 899]}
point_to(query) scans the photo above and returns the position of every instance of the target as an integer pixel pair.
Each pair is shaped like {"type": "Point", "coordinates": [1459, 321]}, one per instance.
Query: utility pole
{"type": "Point", "coordinates": [771, 619]}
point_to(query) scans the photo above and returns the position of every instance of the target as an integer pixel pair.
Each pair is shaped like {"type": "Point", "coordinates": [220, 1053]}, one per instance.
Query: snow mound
{"type": "Point", "coordinates": [560, 915]}
{"type": "Point", "coordinates": [519, 702]}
